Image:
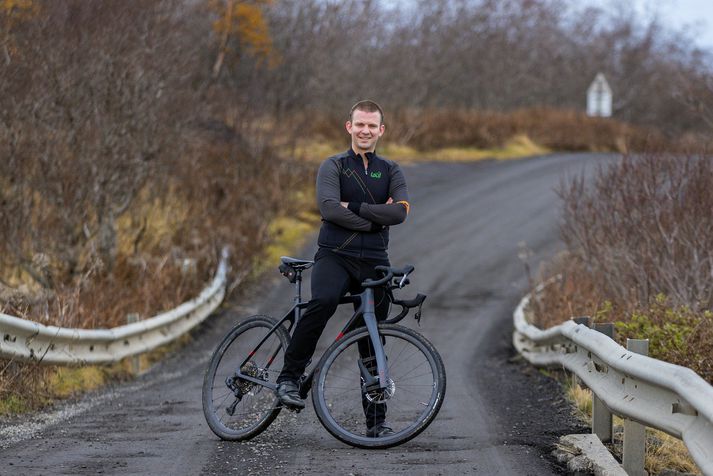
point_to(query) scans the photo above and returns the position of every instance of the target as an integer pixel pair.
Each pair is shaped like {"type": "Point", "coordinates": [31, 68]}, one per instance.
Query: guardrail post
{"type": "Point", "coordinates": [602, 421]}
{"type": "Point", "coordinates": [135, 360]}
{"type": "Point", "coordinates": [586, 320]}
{"type": "Point", "coordinates": [635, 433]}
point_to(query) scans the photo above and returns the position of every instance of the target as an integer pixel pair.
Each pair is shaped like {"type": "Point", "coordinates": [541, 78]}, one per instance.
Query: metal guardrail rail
{"type": "Point", "coordinates": [657, 394]}
{"type": "Point", "coordinates": [26, 340]}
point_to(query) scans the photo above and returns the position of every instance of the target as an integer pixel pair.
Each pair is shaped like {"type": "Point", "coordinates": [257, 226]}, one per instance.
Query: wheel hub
{"type": "Point", "coordinates": [382, 395]}
{"type": "Point", "coordinates": [251, 369]}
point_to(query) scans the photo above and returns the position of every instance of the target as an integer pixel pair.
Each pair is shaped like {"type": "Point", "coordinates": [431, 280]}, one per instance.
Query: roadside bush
{"type": "Point", "coordinates": [644, 227]}
{"type": "Point", "coordinates": [676, 334]}
{"type": "Point", "coordinates": [640, 254]}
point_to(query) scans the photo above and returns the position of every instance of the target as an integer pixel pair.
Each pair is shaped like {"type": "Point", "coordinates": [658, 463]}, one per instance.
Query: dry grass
{"type": "Point", "coordinates": [580, 397]}
{"type": "Point", "coordinates": [464, 135]}
{"type": "Point", "coordinates": [37, 385]}
{"type": "Point", "coordinates": [517, 147]}
{"type": "Point", "coordinates": [287, 235]}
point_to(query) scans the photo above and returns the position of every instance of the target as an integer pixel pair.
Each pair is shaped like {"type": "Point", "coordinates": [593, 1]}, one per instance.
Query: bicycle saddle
{"type": "Point", "coordinates": [296, 264]}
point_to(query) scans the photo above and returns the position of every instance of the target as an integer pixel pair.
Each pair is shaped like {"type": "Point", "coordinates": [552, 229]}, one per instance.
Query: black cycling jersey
{"type": "Point", "coordinates": [362, 229]}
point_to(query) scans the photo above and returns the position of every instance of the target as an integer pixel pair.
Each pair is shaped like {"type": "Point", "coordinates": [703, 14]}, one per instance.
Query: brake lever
{"type": "Point", "coordinates": [403, 280]}
{"type": "Point", "coordinates": [417, 315]}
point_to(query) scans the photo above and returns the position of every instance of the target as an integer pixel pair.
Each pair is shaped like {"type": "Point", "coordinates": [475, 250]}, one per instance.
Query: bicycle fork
{"type": "Point", "coordinates": [381, 380]}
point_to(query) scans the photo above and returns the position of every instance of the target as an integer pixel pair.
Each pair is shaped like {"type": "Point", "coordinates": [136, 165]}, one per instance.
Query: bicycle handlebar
{"type": "Point", "coordinates": [389, 273]}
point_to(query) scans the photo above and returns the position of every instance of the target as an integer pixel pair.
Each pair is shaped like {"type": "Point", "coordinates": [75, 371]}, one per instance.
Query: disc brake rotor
{"type": "Point", "coordinates": [381, 396]}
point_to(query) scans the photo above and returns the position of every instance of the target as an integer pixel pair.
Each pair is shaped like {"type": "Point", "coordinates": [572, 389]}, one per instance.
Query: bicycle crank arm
{"type": "Point", "coordinates": [272, 386]}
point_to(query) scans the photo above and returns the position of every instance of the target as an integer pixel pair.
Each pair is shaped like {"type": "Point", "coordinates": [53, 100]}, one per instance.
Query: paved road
{"type": "Point", "coordinates": [499, 416]}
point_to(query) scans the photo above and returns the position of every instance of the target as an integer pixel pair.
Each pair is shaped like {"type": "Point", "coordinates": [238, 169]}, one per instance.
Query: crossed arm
{"type": "Point", "coordinates": [360, 216]}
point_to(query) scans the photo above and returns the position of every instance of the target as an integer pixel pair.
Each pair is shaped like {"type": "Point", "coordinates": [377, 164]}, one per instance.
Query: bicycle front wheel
{"type": "Point", "coordinates": [412, 399]}
{"type": "Point", "coordinates": [234, 408]}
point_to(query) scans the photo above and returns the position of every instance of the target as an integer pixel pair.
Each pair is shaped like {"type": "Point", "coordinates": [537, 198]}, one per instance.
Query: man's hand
{"type": "Point", "coordinates": [389, 201]}
{"type": "Point", "coordinates": [345, 204]}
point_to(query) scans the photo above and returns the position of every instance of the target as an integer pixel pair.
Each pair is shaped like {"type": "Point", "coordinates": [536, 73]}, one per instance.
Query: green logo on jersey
{"type": "Point", "coordinates": [376, 175]}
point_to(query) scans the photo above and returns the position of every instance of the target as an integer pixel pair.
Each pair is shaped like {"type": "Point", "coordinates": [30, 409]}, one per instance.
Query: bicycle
{"type": "Point", "coordinates": [379, 363]}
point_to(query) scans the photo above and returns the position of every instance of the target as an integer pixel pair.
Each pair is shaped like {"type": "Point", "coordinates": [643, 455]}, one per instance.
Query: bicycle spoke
{"type": "Point", "coordinates": [403, 405]}
{"type": "Point", "coordinates": [419, 365]}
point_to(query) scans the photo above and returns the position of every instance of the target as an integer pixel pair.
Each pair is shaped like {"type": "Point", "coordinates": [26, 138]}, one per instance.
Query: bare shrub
{"type": "Point", "coordinates": [84, 117]}
{"type": "Point", "coordinates": [121, 160]}
{"type": "Point", "coordinates": [644, 227]}
{"type": "Point", "coordinates": [574, 293]}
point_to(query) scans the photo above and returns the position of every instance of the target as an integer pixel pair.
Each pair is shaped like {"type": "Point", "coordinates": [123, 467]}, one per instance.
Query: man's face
{"type": "Point", "coordinates": [365, 129]}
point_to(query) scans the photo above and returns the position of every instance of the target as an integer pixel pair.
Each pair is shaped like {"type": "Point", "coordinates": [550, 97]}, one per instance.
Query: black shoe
{"type": "Point", "coordinates": [289, 394]}
{"type": "Point", "coordinates": [379, 430]}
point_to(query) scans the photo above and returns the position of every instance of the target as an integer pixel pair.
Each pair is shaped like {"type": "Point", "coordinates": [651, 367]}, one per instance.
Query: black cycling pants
{"type": "Point", "coordinates": [333, 276]}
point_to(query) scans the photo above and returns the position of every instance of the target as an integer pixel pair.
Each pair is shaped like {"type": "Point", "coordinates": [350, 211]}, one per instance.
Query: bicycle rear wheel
{"type": "Point", "coordinates": [236, 409]}
{"type": "Point", "coordinates": [417, 386]}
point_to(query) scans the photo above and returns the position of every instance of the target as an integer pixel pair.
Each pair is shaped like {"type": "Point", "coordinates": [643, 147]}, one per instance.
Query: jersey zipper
{"type": "Point", "coordinates": [366, 185]}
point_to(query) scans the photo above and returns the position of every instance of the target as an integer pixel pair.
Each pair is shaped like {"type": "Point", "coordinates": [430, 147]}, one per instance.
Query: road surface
{"type": "Point", "coordinates": [467, 224]}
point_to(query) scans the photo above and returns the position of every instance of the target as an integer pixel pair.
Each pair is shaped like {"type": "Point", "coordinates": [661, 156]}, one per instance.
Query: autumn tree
{"type": "Point", "coordinates": [240, 22]}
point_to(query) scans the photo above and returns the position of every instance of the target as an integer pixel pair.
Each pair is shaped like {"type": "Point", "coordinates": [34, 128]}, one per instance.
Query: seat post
{"type": "Point", "coordinates": [298, 296]}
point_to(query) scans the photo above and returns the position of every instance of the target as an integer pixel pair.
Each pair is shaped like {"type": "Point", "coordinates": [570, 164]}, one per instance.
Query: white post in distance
{"type": "Point", "coordinates": [599, 98]}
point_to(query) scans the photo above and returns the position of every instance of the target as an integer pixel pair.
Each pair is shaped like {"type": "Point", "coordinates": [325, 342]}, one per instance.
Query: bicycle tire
{"type": "Point", "coordinates": [336, 424]}
{"type": "Point", "coordinates": [216, 393]}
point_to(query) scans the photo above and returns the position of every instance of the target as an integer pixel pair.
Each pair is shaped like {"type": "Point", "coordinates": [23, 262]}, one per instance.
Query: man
{"type": "Point", "coordinates": [359, 195]}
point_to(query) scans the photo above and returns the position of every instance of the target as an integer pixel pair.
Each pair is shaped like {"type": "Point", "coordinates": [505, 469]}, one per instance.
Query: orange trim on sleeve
{"type": "Point", "coordinates": [406, 204]}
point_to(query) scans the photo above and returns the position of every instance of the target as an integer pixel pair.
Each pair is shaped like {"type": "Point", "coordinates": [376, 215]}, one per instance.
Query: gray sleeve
{"type": "Point", "coordinates": [329, 200]}
{"type": "Point", "coordinates": [393, 213]}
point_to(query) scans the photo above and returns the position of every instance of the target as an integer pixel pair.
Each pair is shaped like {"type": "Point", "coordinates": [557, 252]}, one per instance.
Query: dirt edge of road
{"type": "Point", "coordinates": [529, 400]}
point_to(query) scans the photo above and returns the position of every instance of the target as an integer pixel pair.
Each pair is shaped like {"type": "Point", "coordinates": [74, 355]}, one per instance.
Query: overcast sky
{"type": "Point", "coordinates": [695, 15]}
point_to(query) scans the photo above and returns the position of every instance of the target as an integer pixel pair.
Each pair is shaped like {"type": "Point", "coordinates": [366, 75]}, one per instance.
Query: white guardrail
{"type": "Point", "coordinates": [656, 394]}
{"type": "Point", "coordinates": [26, 340]}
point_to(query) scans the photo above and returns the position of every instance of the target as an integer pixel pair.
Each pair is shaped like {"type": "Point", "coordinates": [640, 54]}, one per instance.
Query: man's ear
{"type": "Point", "coordinates": [382, 128]}
{"type": "Point", "coordinates": [348, 125]}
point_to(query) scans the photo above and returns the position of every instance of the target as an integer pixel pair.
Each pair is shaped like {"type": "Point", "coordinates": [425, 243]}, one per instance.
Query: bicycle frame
{"type": "Point", "coordinates": [365, 309]}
